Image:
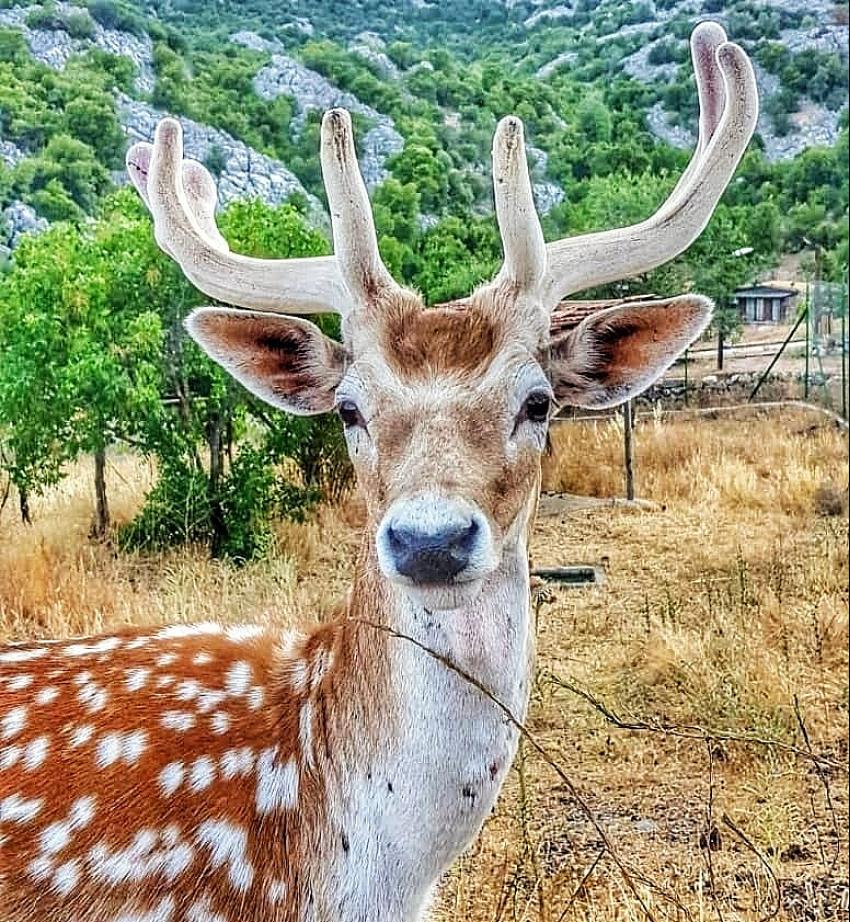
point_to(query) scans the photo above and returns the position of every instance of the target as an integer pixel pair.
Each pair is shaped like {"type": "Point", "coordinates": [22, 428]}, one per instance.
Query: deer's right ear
{"type": "Point", "coordinates": [286, 361]}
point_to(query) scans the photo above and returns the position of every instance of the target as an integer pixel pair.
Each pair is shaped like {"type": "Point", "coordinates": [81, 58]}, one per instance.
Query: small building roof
{"type": "Point", "coordinates": [765, 291]}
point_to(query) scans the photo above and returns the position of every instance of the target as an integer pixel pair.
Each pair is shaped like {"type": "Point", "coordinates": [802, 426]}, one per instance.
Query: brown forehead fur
{"type": "Point", "coordinates": [455, 338]}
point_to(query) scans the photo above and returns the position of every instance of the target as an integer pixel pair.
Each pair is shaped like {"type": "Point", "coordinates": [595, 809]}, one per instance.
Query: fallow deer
{"type": "Point", "coordinates": [206, 773]}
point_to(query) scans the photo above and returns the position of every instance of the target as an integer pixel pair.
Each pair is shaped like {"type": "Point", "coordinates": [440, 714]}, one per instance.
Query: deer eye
{"type": "Point", "coordinates": [536, 407]}
{"type": "Point", "coordinates": [350, 414]}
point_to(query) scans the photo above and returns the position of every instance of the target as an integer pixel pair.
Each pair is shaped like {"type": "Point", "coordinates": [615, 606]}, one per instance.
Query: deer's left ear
{"type": "Point", "coordinates": [616, 353]}
{"type": "Point", "coordinates": [286, 361]}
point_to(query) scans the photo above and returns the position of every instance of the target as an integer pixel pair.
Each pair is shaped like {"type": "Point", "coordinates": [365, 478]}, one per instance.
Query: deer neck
{"type": "Point", "coordinates": [425, 750]}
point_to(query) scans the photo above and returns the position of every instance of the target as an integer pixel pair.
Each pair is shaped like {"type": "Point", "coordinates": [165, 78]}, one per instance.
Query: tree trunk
{"type": "Point", "coordinates": [215, 441]}
{"type": "Point", "coordinates": [100, 527]}
{"type": "Point", "coordinates": [720, 332]}
{"type": "Point", "coordinates": [24, 502]}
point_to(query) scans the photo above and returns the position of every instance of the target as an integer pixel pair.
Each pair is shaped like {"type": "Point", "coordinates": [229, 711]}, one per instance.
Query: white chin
{"type": "Point", "coordinates": [444, 598]}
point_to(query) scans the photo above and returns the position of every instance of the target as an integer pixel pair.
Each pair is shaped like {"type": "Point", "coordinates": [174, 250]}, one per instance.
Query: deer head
{"type": "Point", "coordinates": [446, 409]}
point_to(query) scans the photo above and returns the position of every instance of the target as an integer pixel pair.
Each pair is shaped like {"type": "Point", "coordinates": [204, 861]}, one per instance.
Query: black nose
{"type": "Point", "coordinates": [431, 557]}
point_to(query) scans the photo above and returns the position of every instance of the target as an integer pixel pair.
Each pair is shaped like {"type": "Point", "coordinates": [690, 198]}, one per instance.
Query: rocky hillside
{"type": "Point", "coordinates": [594, 81]}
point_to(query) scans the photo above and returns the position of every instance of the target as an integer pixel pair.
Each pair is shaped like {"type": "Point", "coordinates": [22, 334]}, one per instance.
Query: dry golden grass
{"type": "Point", "coordinates": [725, 608]}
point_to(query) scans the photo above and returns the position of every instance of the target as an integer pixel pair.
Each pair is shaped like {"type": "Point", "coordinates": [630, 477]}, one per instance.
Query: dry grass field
{"type": "Point", "coordinates": [687, 747]}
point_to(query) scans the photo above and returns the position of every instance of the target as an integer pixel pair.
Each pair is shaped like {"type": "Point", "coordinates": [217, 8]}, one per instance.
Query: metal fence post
{"type": "Point", "coordinates": [844, 306]}
{"type": "Point", "coordinates": [806, 378]}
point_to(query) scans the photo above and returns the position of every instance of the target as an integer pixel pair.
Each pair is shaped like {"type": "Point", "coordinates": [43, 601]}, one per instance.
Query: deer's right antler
{"type": "Point", "coordinates": [181, 196]}
{"type": "Point", "coordinates": [729, 111]}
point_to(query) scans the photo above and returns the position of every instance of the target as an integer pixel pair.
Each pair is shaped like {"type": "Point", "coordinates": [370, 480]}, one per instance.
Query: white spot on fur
{"type": "Point", "coordinates": [16, 809]}
{"type": "Point", "coordinates": [240, 632]}
{"type": "Point", "coordinates": [9, 756]}
{"type": "Point", "coordinates": [65, 877]}
{"type": "Point", "coordinates": [176, 631]}
{"type": "Point", "coordinates": [275, 892]}
{"type": "Point", "coordinates": [202, 659]}
{"type": "Point", "coordinates": [47, 695]}
{"type": "Point", "coordinates": [81, 735]}
{"type": "Point", "coordinates": [181, 721]}
{"type": "Point", "coordinates": [220, 722]}
{"type": "Point", "coordinates": [187, 690]}
{"type": "Point", "coordinates": [200, 912]}
{"type": "Point", "coordinates": [201, 773]}
{"type": "Point", "coordinates": [18, 682]}
{"type": "Point", "coordinates": [255, 698]}
{"type": "Point", "coordinates": [305, 731]}
{"type": "Point", "coordinates": [277, 785]}
{"type": "Point", "coordinates": [237, 763]}
{"type": "Point", "coordinates": [40, 868]}
{"type": "Point", "coordinates": [322, 664]}
{"type": "Point", "coordinates": [166, 659]}
{"type": "Point", "coordinates": [97, 646]}
{"type": "Point", "coordinates": [136, 678]}
{"type": "Point", "coordinates": [149, 854]}
{"type": "Point", "coordinates": [35, 752]}
{"type": "Point", "coordinates": [228, 844]}
{"type": "Point", "coordinates": [13, 722]}
{"type": "Point", "coordinates": [22, 656]}
{"type": "Point", "coordinates": [93, 696]}
{"type": "Point", "coordinates": [138, 642]}
{"type": "Point", "coordinates": [121, 747]}
{"type": "Point", "coordinates": [237, 680]}
{"type": "Point", "coordinates": [207, 700]}
{"type": "Point", "coordinates": [171, 777]}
